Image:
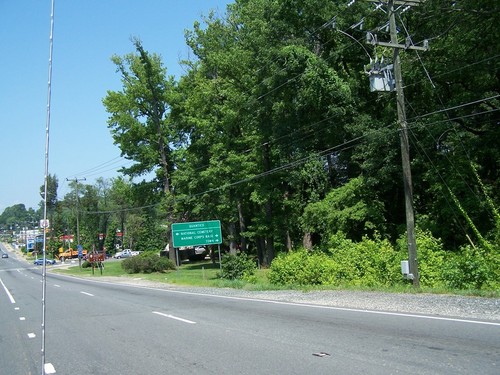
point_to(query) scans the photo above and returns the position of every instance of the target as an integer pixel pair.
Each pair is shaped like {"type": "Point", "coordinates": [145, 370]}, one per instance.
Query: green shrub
{"type": "Point", "coordinates": [236, 267]}
{"type": "Point", "coordinates": [302, 268]}
{"type": "Point", "coordinates": [431, 257]}
{"type": "Point", "coordinates": [147, 263]}
{"type": "Point", "coordinates": [466, 270]}
{"type": "Point", "coordinates": [370, 262]}
{"type": "Point", "coordinates": [376, 263]}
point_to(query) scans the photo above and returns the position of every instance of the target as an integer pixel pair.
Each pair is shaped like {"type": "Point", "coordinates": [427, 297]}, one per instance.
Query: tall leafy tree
{"type": "Point", "coordinates": [139, 120]}
{"type": "Point", "coordinates": [139, 116]}
{"type": "Point", "coordinates": [272, 101]}
{"type": "Point", "coordinates": [453, 100]}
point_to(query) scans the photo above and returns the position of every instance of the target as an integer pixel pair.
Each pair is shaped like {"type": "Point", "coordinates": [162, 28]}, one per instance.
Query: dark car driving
{"type": "Point", "coordinates": [39, 261]}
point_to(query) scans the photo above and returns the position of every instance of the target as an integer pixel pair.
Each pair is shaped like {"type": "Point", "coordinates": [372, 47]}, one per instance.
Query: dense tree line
{"type": "Point", "coordinates": [273, 129]}
{"type": "Point", "coordinates": [17, 216]}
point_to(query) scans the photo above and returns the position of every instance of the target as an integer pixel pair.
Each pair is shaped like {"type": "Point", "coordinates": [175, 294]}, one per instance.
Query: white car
{"type": "Point", "coordinates": [124, 254]}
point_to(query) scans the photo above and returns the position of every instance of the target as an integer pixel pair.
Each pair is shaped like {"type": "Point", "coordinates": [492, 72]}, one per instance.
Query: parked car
{"type": "Point", "coordinates": [192, 253]}
{"type": "Point", "coordinates": [5, 255]}
{"type": "Point", "coordinates": [39, 261]}
{"type": "Point", "coordinates": [125, 254]}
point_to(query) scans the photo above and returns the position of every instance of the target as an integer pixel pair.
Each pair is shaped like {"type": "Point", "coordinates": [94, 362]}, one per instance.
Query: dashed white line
{"type": "Point", "coordinates": [87, 294]}
{"type": "Point", "coordinates": [22, 318]}
{"type": "Point", "coordinates": [31, 335]}
{"type": "Point", "coordinates": [174, 317]}
{"type": "Point", "coordinates": [49, 368]}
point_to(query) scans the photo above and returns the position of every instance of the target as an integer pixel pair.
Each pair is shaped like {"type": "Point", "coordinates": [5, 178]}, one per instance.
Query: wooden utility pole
{"type": "Point", "coordinates": [405, 146]}
{"type": "Point", "coordinates": [405, 152]}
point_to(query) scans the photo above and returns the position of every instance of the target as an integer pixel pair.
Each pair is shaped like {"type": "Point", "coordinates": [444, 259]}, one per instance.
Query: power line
{"type": "Point", "coordinates": [338, 148]}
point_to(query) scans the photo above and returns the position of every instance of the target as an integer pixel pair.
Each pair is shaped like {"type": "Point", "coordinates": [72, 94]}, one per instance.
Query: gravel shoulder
{"type": "Point", "coordinates": [462, 307]}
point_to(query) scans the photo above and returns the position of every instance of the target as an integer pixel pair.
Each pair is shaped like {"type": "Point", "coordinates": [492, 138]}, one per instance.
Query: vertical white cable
{"type": "Point", "coordinates": [47, 128]}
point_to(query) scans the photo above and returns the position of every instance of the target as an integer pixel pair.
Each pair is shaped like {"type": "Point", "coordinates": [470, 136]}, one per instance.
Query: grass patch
{"type": "Point", "coordinates": [110, 269]}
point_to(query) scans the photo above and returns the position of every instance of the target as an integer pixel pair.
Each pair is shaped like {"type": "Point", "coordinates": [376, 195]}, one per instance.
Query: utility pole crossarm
{"type": "Point", "coordinates": [372, 39]}
{"type": "Point", "coordinates": [400, 2]}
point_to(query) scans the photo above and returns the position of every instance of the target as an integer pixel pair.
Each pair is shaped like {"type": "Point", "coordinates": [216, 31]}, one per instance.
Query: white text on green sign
{"type": "Point", "coordinates": [196, 233]}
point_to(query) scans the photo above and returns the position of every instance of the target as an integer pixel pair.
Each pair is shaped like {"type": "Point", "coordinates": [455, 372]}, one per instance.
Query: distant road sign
{"type": "Point", "coordinates": [196, 233]}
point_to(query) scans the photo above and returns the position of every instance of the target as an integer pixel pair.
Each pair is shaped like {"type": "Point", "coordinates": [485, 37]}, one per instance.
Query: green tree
{"type": "Point", "coordinates": [139, 116]}
{"type": "Point", "coordinates": [15, 215]}
{"type": "Point", "coordinates": [138, 120]}
{"type": "Point", "coordinates": [352, 209]}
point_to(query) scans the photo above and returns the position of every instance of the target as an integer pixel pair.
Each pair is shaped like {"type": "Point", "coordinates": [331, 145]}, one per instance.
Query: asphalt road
{"type": "Point", "coordinates": [104, 328]}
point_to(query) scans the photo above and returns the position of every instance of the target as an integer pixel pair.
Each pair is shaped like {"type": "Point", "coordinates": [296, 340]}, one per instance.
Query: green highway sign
{"type": "Point", "coordinates": [196, 233]}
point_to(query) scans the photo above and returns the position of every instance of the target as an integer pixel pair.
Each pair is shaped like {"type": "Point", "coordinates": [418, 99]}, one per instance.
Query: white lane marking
{"type": "Point", "coordinates": [16, 308]}
{"type": "Point", "coordinates": [49, 368]}
{"type": "Point", "coordinates": [407, 315]}
{"type": "Point", "coordinates": [87, 294]}
{"type": "Point", "coordinates": [31, 335]}
{"type": "Point", "coordinates": [12, 300]}
{"type": "Point", "coordinates": [57, 286]}
{"type": "Point", "coordinates": [22, 318]}
{"type": "Point", "coordinates": [174, 317]}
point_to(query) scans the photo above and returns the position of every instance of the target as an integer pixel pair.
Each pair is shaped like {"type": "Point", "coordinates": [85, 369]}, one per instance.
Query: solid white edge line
{"type": "Point", "coordinates": [174, 317]}
{"type": "Point", "coordinates": [12, 300]}
{"type": "Point", "coordinates": [407, 315]}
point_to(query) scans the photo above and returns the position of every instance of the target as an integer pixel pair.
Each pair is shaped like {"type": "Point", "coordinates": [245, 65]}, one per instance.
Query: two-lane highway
{"type": "Point", "coordinates": [103, 328]}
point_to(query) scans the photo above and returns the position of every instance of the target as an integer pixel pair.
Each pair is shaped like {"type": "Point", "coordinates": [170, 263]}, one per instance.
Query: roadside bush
{"type": "Point", "coordinates": [302, 268]}
{"type": "Point", "coordinates": [431, 257]}
{"type": "Point", "coordinates": [466, 270]}
{"type": "Point", "coordinates": [235, 267]}
{"type": "Point", "coordinates": [370, 262]}
{"type": "Point", "coordinates": [147, 263]}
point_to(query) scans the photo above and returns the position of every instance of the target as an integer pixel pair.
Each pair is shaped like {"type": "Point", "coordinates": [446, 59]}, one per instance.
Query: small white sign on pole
{"type": "Point", "coordinates": [44, 223]}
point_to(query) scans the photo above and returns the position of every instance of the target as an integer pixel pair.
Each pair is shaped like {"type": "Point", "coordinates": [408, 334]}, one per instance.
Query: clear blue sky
{"type": "Point", "coordinates": [86, 34]}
